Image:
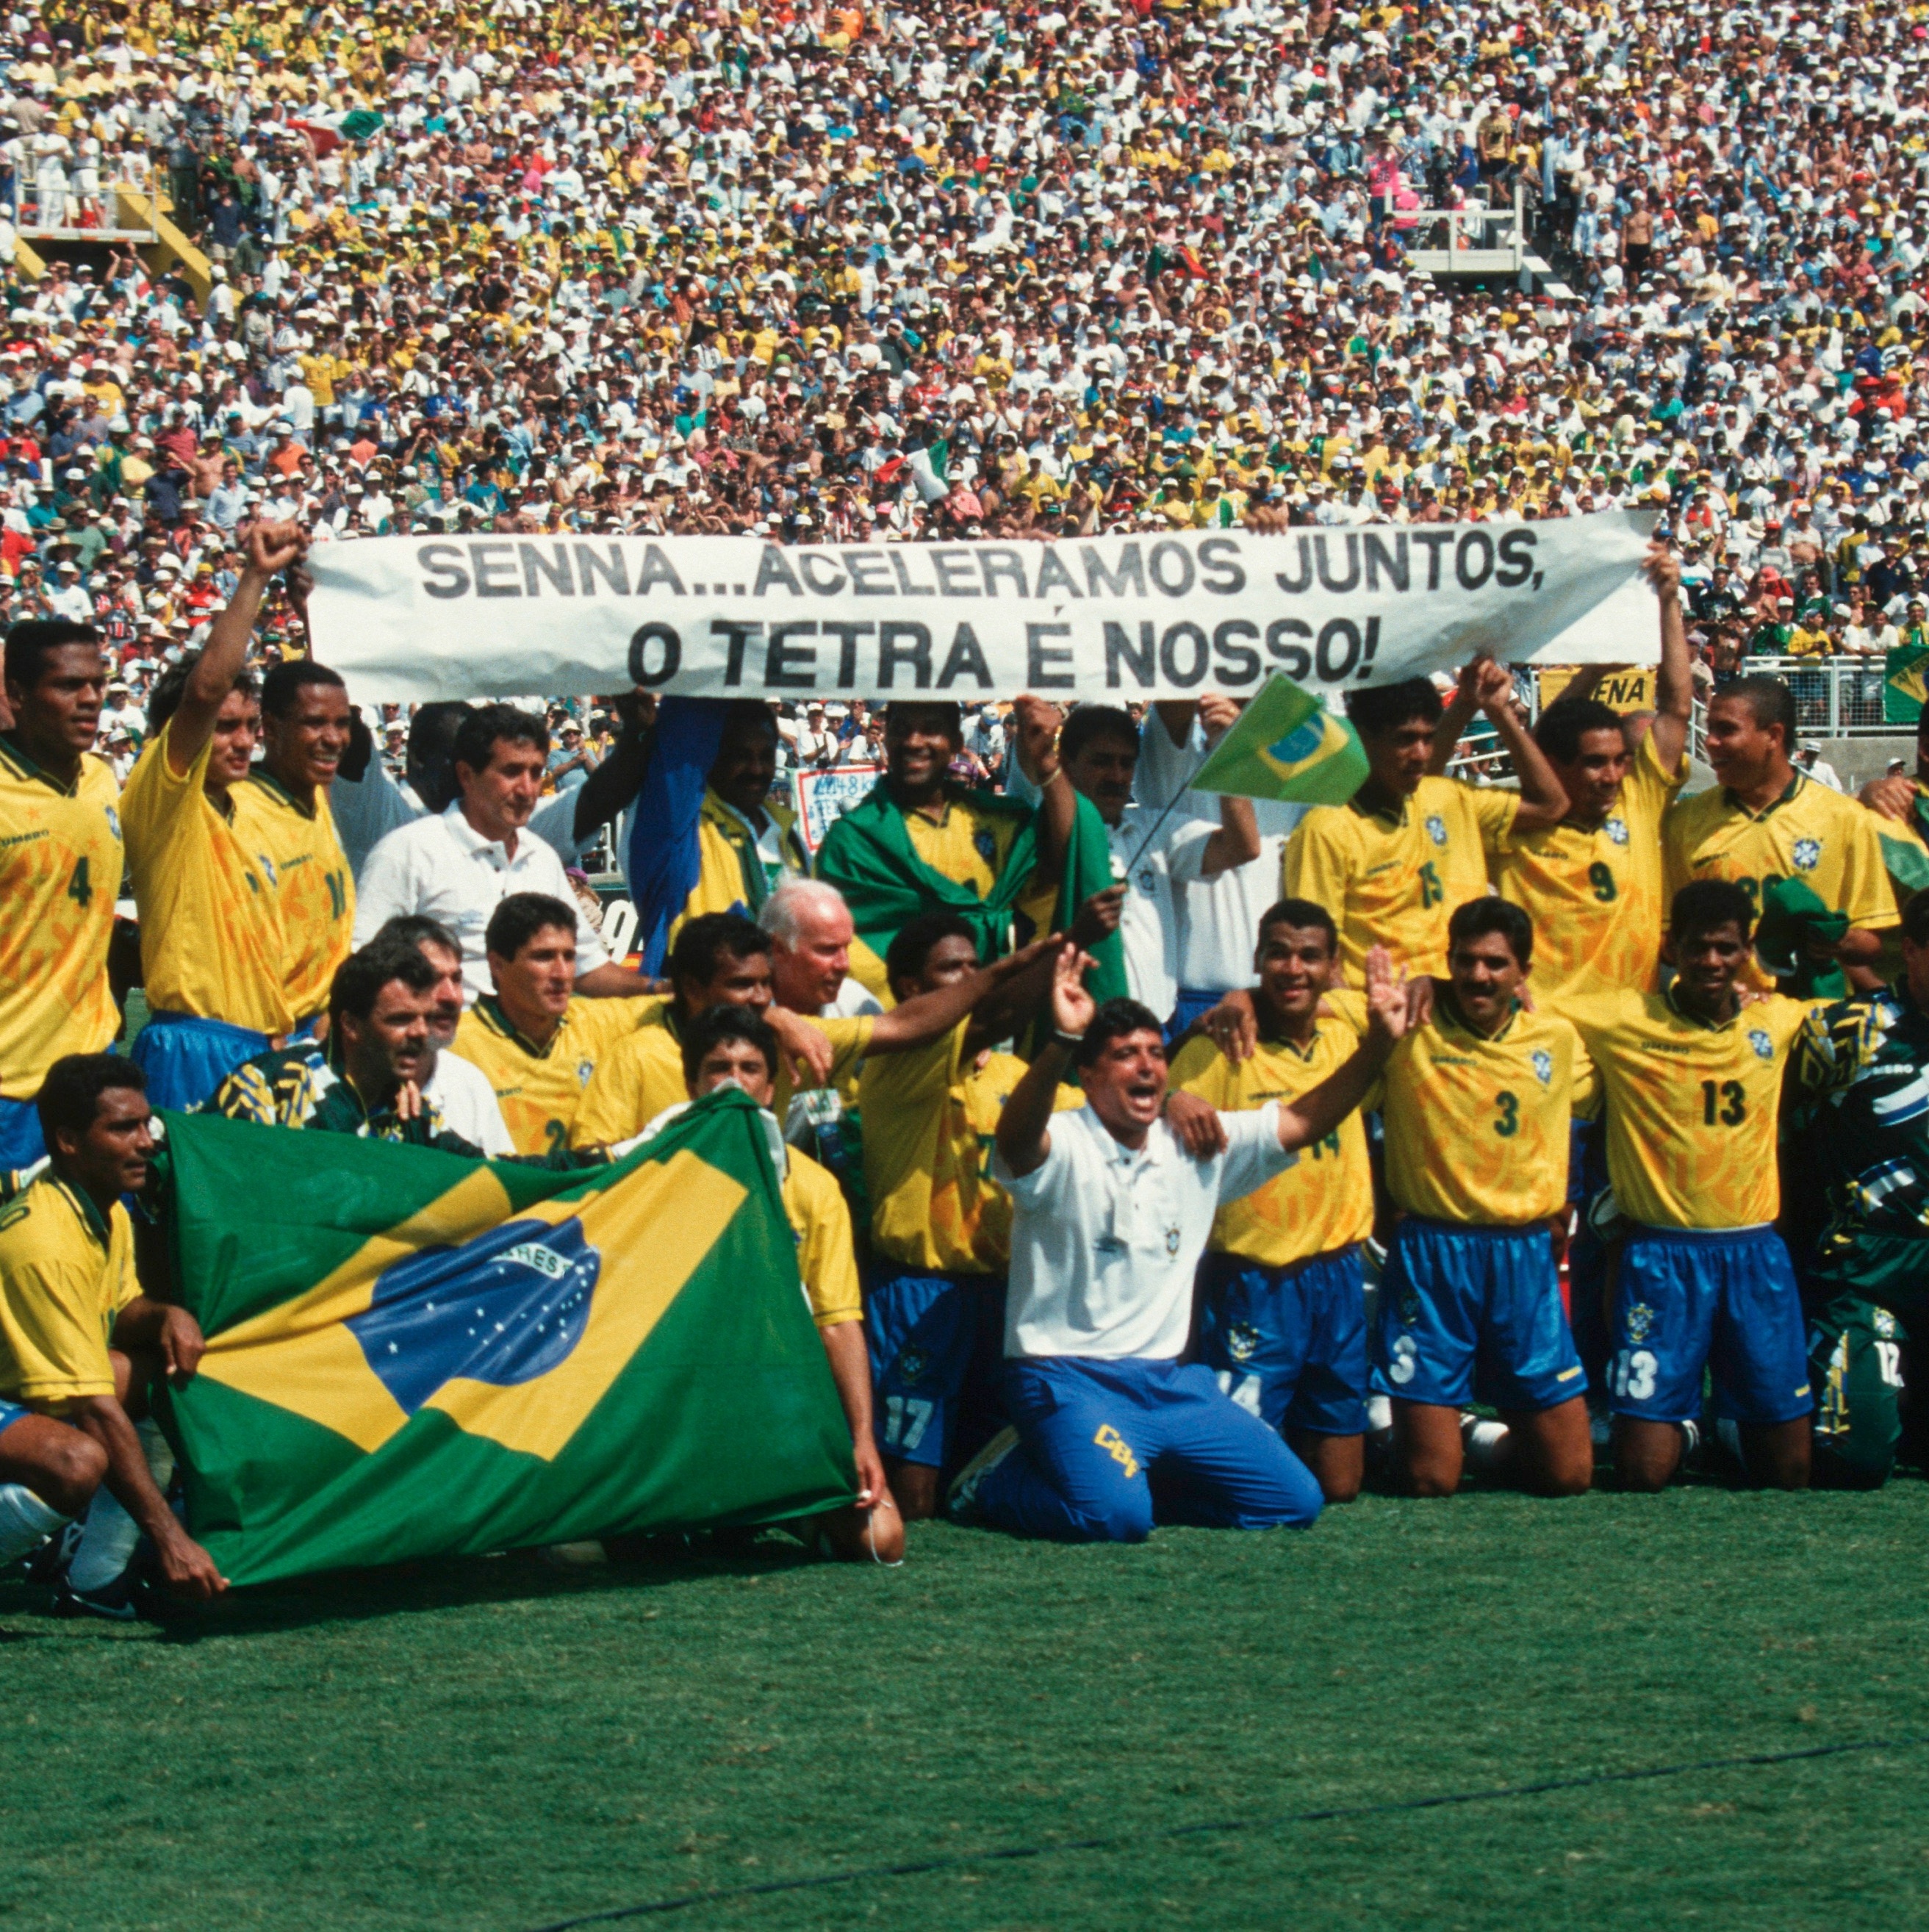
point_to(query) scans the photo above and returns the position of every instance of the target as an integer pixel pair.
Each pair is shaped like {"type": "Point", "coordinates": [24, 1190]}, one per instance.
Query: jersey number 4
{"type": "Point", "coordinates": [80, 887]}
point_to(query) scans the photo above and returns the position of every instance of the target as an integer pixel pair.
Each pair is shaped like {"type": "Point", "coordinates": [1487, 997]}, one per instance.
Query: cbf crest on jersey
{"type": "Point", "coordinates": [1765, 1047]}
{"type": "Point", "coordinates": [1616, 830]}
{"type": "Point", "coordinates": [1544, 1066]}
{"type": "Point", "coordinates": [1640, 1322]}
{"type": "Point", "coordinates": [987, 847]}
{"type": "Point", "coordinates": [1436, 828]}
{"type": "Point", "coordinates": [1808, 854]}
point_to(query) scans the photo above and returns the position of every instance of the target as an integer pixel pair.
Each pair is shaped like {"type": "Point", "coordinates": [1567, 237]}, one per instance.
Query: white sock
{"type": "Point", "coordinates": [25, 1522]}
{"type": "Point", "coordinates": [1486, 1443]}
{"type": "Point", "coordinates": [107, 1540]}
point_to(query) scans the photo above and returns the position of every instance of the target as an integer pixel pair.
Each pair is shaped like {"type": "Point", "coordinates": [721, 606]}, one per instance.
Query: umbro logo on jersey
{"type": "Point", "coordinates": [1808, 854]}
{"type": "Point", "coordinates": [1436, 828]}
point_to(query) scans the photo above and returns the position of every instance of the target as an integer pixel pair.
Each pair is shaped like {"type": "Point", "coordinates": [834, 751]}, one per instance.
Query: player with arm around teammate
{"type": "Point", "coordinates": [1477, 1104]}
{"type": "Point", "coordinates": [1282, 1305]}
{"type": "Point", "coordinates": [1111, 1215]}
{"type": "Point", "coordinates": [1692, 1080]}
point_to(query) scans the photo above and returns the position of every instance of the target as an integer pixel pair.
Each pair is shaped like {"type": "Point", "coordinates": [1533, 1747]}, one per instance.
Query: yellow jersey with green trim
{"type": "Point", "coordinates": [1477, 1127]}
{"type": "Point", "coordinates": [210, 923]}
{"type": "Point", "coordinates": [1324, 1201]}
{"type": "Point", "coordinates": [634, 1080]}
{"type": "Point", "coordinates": [1394, 880]}
{"type": "Point", "coordinates": [1595, 894]}
{"type": "Point", "coordinates": [60, 874]}
{"type": "Point", "coordinates": [1830, 842]}
{"type": "Point", "coordinates": [540, 1088]}
{"type": "Point", "coordinates": [1692, 1106]}
{"type": "Point", "coordinates": [732, 873]}
{"type": "Point", "coordinates": [850, 1041]}
{"type": "Point", "coordinates": [65, 1273]}
{"type": "Point", "coordinates": [296, 847]}
{"type": "Point", "coordinates": [929, 1116]}
{"type": "Point", "coordinates": [826, 1255]}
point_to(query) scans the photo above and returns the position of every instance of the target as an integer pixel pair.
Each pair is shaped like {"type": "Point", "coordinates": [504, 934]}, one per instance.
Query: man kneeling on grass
{"type": "Point", "coordinates": [726, 1046]}
{"type": "Point", "coordinates": [1111, 1212]}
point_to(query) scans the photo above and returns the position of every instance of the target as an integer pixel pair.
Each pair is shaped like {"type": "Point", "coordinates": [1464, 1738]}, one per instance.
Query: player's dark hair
{"type": "Point", "coordinates": [430, 763]}
{"type": "Point", "coordinates": [417, 929]}
{"type": "Point", "coordinates": [1567, 720]}
{"type": "Point", "coordinates": [164, 700]}
{"type": "Point", "coordinates": [489, 725]}
{"type": "Point", "coordinates": [1915, 918]}
{"type": "Point", "coordinates": [953, 719]}
{"type": "Point", "coordinates": [1479, 917]}
{"type": "Point", "coordinates": [742, 711]}
{"type": "Point", "coordinates": [360, 978]}
{"type": "Point", "coordinates": [1302, 912]}
{"type": "Point", "coordinates": [29, 641]}
{"type": "Point", "coordinates": [1769, 701]}
{"type": "Point", "coordinates": [70, 1096]}
{"type": "Point", "coordinates": [1091, 721]}
{"type": "Point", "coordinates": [721, 1023]}
{"type": "Point", "coordinates": [704, 944]}
{"type": "Point", "coordinates": [281, 689]}
{"type": "Point", "coordinates": [1382, 708]}
{"type": "Point", "coordinates": [520, 917]}
{"type": "Point", "coordinates": [916, 938]}
{"type": "Point", "coordinates": [1702, 904]}
{"type": "Point", "coordinates": [1113, 1021]}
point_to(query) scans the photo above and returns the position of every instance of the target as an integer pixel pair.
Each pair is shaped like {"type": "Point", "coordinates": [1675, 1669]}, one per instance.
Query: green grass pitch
{"type": "Point", "coordinates": [495, 1746]}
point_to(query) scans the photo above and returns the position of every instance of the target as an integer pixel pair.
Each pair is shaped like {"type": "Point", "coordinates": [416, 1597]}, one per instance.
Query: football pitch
{"type": "Point", "coordinates": [1213, 1729]}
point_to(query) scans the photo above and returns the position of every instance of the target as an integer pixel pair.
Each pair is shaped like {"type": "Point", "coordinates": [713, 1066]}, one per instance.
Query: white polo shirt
{"type": "Point", "coordinates": [1105, 1239]}
{"type": "Point", "coordinates": [443, 868]}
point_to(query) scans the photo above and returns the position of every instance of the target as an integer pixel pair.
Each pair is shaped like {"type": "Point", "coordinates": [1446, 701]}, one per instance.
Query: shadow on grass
{"type": "Point", "coordinates": [340, 1596]}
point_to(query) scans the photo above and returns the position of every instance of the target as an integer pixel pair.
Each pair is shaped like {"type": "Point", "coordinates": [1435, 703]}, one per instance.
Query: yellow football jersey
{"type": "Point", "coordinates": [929, 1116]}
{"type": "Point", "coordinates": [297, 849]}
{"type": "Point", "coordinates": [849, 1040]}
{"type": "Point", "coordinates": [65, 1273]}
{"type": "Point", "coordinates": [1595, 897]}
{"type": "Point", "coordinates": [60, 874]}
{"type": "Point", "coordinates": [1477, 1128]}
{"type": "Point", "coordinates": [1324, 1200]}
{"type": "Point", "coordinates": [634, 1081]}
{"type": "Point", "coordinates": [539, 1089]}
{"type": "Point", "coordinates": [1691, 1108]}
{"type": "Point", "coordinates": [210, 923]}
{"type": "Point", "coordinates": [731, 873]}
{"type": "Point", "coordinates": [1394, 881]}
{"type": "Point", "coordinates": [826, 1256]}
{"type": "Point", "coordinates": [1830, 842]}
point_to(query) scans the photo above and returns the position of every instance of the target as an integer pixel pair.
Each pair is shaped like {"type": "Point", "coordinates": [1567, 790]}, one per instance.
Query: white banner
{"type": "Point", "coordinates": [1097, 618]}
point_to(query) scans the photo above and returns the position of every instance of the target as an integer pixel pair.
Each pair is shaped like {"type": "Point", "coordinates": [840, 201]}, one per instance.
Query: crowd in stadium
{"type": "Point", "coordinates": [1525, 1060]}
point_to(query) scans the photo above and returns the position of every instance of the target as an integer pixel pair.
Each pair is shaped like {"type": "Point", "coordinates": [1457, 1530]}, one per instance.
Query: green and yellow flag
{"type": "Point", "coordinates": [1903, 690]}
{"type": "Point", "coordinates": [411, 1354]}
{"type": "Point", "coordinates": [1287, 745]}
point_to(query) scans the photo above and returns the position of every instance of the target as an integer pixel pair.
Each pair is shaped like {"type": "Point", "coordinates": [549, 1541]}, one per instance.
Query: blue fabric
{"type": "Point", "coordinates": [21, 1144]}
{"type": "Point", "coordinates": [185, 1058]}
{"type": "Point", "coordinates": [1107, 1449]}
{"type": "Point", "coordinates": [1193, 1000]}
{"type": "Point", "coordinates": [663, 863]}
{"type": "Point", "coordinates": [1724, 1300]}
{"type": "Point", "coordinates": [11, 1412]}
{"type": "Point", "coordinates": [1472, 1314]}
{"type": "Point", "coordinates": [924, 1332]}
{"type": "Point", "coordinates": [1288, 1343]}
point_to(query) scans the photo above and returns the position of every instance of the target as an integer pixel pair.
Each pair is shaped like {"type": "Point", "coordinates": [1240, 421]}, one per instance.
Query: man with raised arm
{"type": "Point", "coordinates": [1112, 1212]}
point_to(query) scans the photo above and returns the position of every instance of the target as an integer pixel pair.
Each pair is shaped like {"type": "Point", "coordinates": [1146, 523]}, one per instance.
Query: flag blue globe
{"type": "Point", "coordinates": [1301, 742]}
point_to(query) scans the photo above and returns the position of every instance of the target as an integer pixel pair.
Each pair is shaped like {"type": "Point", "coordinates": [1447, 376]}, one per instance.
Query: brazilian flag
{"type": "Point", "coordinates": [1286, 746]}
{"type": "Point", "coordinates": [411, 1354]}
{"type": "Point", "coordinates": [1904, 670]}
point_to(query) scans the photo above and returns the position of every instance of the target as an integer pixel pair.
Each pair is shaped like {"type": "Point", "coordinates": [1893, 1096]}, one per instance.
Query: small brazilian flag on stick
{"type": "Point", "coordinates": [413, 1354]}
{"type": "Point", "coordinates": [1287, 745]}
